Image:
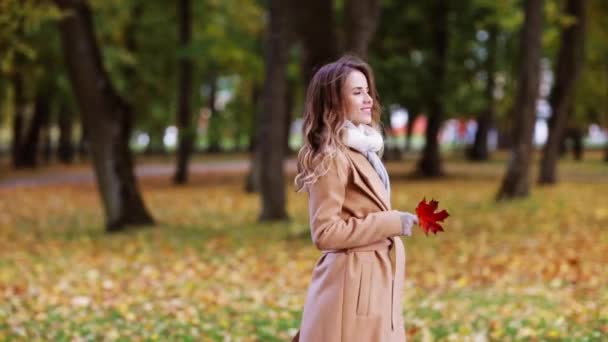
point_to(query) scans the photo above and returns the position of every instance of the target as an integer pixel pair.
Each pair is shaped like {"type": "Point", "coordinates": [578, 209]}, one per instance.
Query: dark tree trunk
{"type": "Point", "coordinates": [47, 144]}
{"type": "Point", "coordinates": [186, 129]}
{"type": "Point", "coordinates": [213, 132]}
{"type": "Point", "coordinates": [289, 102]}
{"type": "Point", "coordinates": [106, 116]}
{"type": "Point", "coordinates": [83, 142]}
{"type": "Point", "coordinates": [31, 145]}
{"type": "Point", "coordinates": [361, 21]}
{"type": "Point", "coordinates": [569, 64]}
{"type": "Point", "coordinates": [315, 28]}
{"type": "Point", "coordinates": [577, 143]}
{"type": "Point", "coordinates": [516, 182]}
{"type": "Point", "coordinates": [19, 105]}
{"type": "Point", "coordinates": [479, 150]}
{"type": "Point", "coordinates": [252, 184]}
{"type": "Point", "coordinates": [65, 150]}
{"type": "Point", "coordinates": [272, 119]}
{"type": "Point", "coordinates": [430, 163]}
{"type": "Point", "coordinates": [413, 115]}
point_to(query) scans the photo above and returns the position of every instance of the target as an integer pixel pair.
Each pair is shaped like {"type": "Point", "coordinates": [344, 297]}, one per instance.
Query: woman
{"type": "Point", "coordinates": [355, 291]}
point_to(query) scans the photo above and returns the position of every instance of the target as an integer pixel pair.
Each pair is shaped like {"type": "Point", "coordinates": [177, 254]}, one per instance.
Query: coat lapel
{"type": "Point", "coordinates": [367, 179]}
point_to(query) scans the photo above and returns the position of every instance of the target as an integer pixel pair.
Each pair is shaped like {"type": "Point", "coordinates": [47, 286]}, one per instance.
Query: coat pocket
{"type": "Point", "coordinates": [365, 284]}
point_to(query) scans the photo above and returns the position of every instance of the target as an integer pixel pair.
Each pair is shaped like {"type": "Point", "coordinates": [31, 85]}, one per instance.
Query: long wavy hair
{"type": "Point", "coordinates": [324, 117]}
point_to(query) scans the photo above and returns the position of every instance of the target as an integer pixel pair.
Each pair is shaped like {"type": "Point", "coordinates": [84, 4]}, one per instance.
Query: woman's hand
{"type": "Point", "coordinates": [407, 221]}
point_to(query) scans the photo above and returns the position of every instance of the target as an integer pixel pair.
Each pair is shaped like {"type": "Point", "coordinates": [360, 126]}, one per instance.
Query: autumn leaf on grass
{"type": "Point", "coordinates": [428, 218]}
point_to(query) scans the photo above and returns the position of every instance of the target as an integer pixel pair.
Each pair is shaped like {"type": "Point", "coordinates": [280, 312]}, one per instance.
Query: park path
{"type": "Point", "coordinates": [55, 177]}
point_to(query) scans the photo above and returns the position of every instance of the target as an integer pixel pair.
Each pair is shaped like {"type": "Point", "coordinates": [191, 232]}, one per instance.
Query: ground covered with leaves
{"type": "Point", "coordinates": [529, 270]}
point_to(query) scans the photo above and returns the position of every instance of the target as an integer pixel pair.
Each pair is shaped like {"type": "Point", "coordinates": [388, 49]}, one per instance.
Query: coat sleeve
{"type": "Point", "coordinates": [328, 229]}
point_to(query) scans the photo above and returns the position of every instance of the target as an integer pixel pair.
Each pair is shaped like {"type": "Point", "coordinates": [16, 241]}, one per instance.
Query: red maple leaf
{"type": "Point", "coordinates": [428, 218]}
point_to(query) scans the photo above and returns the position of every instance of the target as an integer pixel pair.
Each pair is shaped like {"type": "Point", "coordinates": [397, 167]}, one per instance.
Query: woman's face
{"type": "Point", "coordinates": [357, 99]}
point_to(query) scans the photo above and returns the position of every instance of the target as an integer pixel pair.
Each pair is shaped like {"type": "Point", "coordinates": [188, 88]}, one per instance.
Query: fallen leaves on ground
{"type": "Point", "coordinates": [527, 270]}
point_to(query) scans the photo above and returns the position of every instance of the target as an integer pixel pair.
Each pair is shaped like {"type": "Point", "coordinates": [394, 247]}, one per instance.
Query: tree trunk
{"type": "Point", "coordinates": [65, 150]}
{"type": "Point", "coordinates": [83, 142]}
{"type": "Point", "coordinates": [412, 116]}
{"type": "Point", "coordinates": [107, 119]}
{"type": "Point", "coordinates": [47, 144]}
{"type": "Point", "coordinates": [315, 20]}
{"type": "Point", "coordinates": [516, 182]}
{"type": "Point", "coordinates": [479, 150]}
{"type": "Point", "coordinates": [272, 119]}
{"type": "Point", "coordinates": [577, 144]}
{"type": "Point", "coordinates": [361, 21]}
{"type": "Point", "coordinates": [214, 135]}
{"type": "Point", "coordinates": [31, 145]}
{"type": "Point", "coordinates": [187, 131]}
{"type": "Point", "coordinates": [430, 163]}
{"type": "Point", "coordinates": [252, 183]}
{"type": "Point", "coordinates": [569, 63]}
{"type": "Point", "coordinates": [289, 103]}
{"type": "Point", "coordinates": [19, 105]}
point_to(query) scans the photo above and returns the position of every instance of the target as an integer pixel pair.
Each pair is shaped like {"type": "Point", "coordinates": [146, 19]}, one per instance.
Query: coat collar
{"type": "Point", "coordinates": [366, 178]}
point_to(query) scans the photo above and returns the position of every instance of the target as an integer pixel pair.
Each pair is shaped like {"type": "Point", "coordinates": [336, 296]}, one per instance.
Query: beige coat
{"type": "Point", "coordinates": [356, 291]}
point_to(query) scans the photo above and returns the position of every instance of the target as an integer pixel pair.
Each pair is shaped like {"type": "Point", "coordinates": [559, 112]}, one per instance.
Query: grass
{"type": "Point", "coordinates": [526, 270]}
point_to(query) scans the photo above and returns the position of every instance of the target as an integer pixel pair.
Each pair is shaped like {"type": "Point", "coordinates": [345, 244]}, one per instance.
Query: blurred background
{"type": "Point", "coordinates": [147, 156]}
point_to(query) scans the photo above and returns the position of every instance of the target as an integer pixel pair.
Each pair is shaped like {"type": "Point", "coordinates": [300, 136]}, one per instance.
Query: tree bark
{"type": "Point", "coordinates": [516, 182]}
{"type": "Point", "coordinates": [65, 150]}
{"type": "Point", "coordinates": [413, 115]}
{"type": "Point", "coordinates": [315, 28]}
{"type": "Point", "coordinates": [430, 164]}
{"type": "Point", "coordinates": [107, 119]}
{"type": "Point", "coordinates": [361, 21]}
{"type": "Point", "coordinates": [289, 103]}
{"type": "Point", "coordinates": [479, 150]}
{"type": "Point", "coordinates": [187, 131]}
{"type": "Point", "coordinates": [252, 183]}
{"type": "Point", "coordinates": [569, 63]}
{"type": "Point", "coordinates": [214, 135]}
{"type": "Point", "coordinates": [31, 145]}
{"type": "Point", "coordinates": [19, 105]}
{"type": "Point", "coordinates": [272, 119]}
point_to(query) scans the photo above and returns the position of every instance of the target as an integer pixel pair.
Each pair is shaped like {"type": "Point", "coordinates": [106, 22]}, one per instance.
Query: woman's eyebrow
{"type": "Point", "coordinates": [355, 88]}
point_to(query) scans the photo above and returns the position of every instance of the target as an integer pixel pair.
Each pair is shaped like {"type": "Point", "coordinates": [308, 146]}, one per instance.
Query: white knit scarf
{"type": "Point", "coordinates": [369, 142]}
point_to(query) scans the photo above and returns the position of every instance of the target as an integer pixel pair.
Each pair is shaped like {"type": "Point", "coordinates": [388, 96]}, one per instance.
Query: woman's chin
{"type": "Point", "coordinates": [366, 119]}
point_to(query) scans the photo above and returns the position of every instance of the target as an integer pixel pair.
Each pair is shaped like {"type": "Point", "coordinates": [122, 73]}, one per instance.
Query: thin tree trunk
{"type": "Point", "coordinates": [31, 145]}
{"type": "Point", "coordinates": [479, 150]}
{"type": "Point", "coordinates": [47, 144]}
{"type": "Point", "coordinates": [106, 116]}
{"type": "Point", "coordinates": [214, 129]}
{"type": "Point", "coordinates": [413, 115]}
{"type": "Point", "coordinates": [361, 21]}
{"type": "Point", "coordinates": [272, 120]}
{"type": "Point", "coordinates": [516, 182]}
{"type": "Point", "coordinates": [289, 103]}
{"type": "Point", "coordinates": [83, 142]}
{"type": "Point", "coordinates": [430, 164]}
{"type": "Point", "coordinates": [65, 150]}
{"type": "Point", "coordinates": [252, 183]}
{"type": "Point", "coordinates": [569, 63]}
{"type": "Point", "coordinates": [186, 129]}
{"type": "Point", "coordinates": [19, 105]}
{"type": "Point", "coordinates": [577, 144]}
